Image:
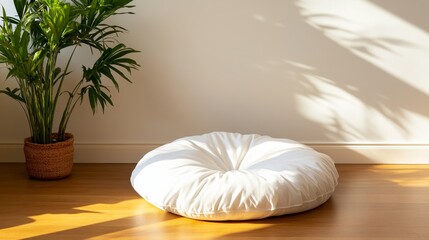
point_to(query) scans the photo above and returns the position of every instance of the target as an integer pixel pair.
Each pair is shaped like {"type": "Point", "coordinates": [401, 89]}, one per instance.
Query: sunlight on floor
{"type": "Point", "coordinates": [139, 218]}
{"type": "Point", "coordinates": [412, 182]}
{"type": "Point", "coordinates": [405, 175]}
{"type": "Point", "coordinates": [96, 213]}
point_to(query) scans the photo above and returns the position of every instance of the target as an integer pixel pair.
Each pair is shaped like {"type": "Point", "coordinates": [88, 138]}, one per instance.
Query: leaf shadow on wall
{"type": "Point", "coordinates": [290, 70]}
{"type": "Point", "coordinates": [346, 73]}
{"type": "Point", "coordinates": [332, 76]}
{"type": "Point", "coordinates": [275, 69]}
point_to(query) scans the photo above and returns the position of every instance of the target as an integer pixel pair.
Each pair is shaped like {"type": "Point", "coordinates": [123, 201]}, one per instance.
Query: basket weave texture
{"type": "Point", "coordinates": [49, 161]}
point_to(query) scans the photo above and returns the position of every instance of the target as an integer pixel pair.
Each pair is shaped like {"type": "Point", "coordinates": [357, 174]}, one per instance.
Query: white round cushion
{"type": "Point", "coordinates": [228, 176]}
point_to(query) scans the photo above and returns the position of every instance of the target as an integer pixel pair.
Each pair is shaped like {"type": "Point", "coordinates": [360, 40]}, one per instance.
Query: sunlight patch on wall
{"type": "Point", "coordinates": [375, 35]}
{"type": "Point", "coordinates": [341, 114]}
{"type": "Point", "coordinates": [338, 106]}
{"type": "Point", "coordinates": [345, 117]}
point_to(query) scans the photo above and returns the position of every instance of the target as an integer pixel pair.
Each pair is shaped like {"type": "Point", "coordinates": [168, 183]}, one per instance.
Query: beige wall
{"type": "Point", "coordinates": [339, 75]}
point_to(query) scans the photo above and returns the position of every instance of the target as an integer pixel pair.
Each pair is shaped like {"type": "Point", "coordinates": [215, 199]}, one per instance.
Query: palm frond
{"type": "Point", "coordinates": [31, 43]}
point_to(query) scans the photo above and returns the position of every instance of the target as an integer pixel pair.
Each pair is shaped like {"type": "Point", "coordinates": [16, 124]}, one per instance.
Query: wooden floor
{"type": "Point", "coordinates": [97, 202]}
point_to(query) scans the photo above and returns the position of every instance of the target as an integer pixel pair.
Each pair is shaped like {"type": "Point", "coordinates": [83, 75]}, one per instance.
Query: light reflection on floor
{"type": "Point", "coordinates": [405, 175]}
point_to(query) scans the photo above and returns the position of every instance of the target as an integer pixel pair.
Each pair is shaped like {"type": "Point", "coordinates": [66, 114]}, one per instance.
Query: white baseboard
{"type": "Point", "coordinates": [376, 153]}
{"type": "Point", "coordinates": [87, 153]}
{"type": "Point", "coordinates": [341, 153]}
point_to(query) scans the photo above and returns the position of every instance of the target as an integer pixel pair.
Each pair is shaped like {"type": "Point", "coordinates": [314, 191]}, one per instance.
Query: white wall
{"type": "Point", "coordinates": [349, 77]}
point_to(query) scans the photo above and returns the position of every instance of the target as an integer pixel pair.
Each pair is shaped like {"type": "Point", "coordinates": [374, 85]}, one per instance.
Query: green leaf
{"type": "Point", "coordinates": [120, 74]}
{"type": "Point", "coordinates": [20, 6]}
{"type": "Point", "coordinates": [92, 99]}
{"type": "Point", "coordinates": [106, 71]}
{"type": "Point", "coordinates": [14, 94]}
{"type": "Point", "coordinates": [107, 97]}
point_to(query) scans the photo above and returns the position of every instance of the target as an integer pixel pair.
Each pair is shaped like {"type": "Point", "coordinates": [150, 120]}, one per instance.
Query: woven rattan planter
{"type": "Point", "coordinates": [49, 161]}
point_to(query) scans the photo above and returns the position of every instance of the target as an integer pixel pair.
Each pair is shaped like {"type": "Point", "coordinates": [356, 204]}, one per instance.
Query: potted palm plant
{"type": "Point", "coordinates": [31, 45]}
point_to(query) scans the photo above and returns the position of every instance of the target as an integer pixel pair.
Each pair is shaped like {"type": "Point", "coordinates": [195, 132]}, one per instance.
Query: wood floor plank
{"type": "Point", "coordinates": [97, 202]}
